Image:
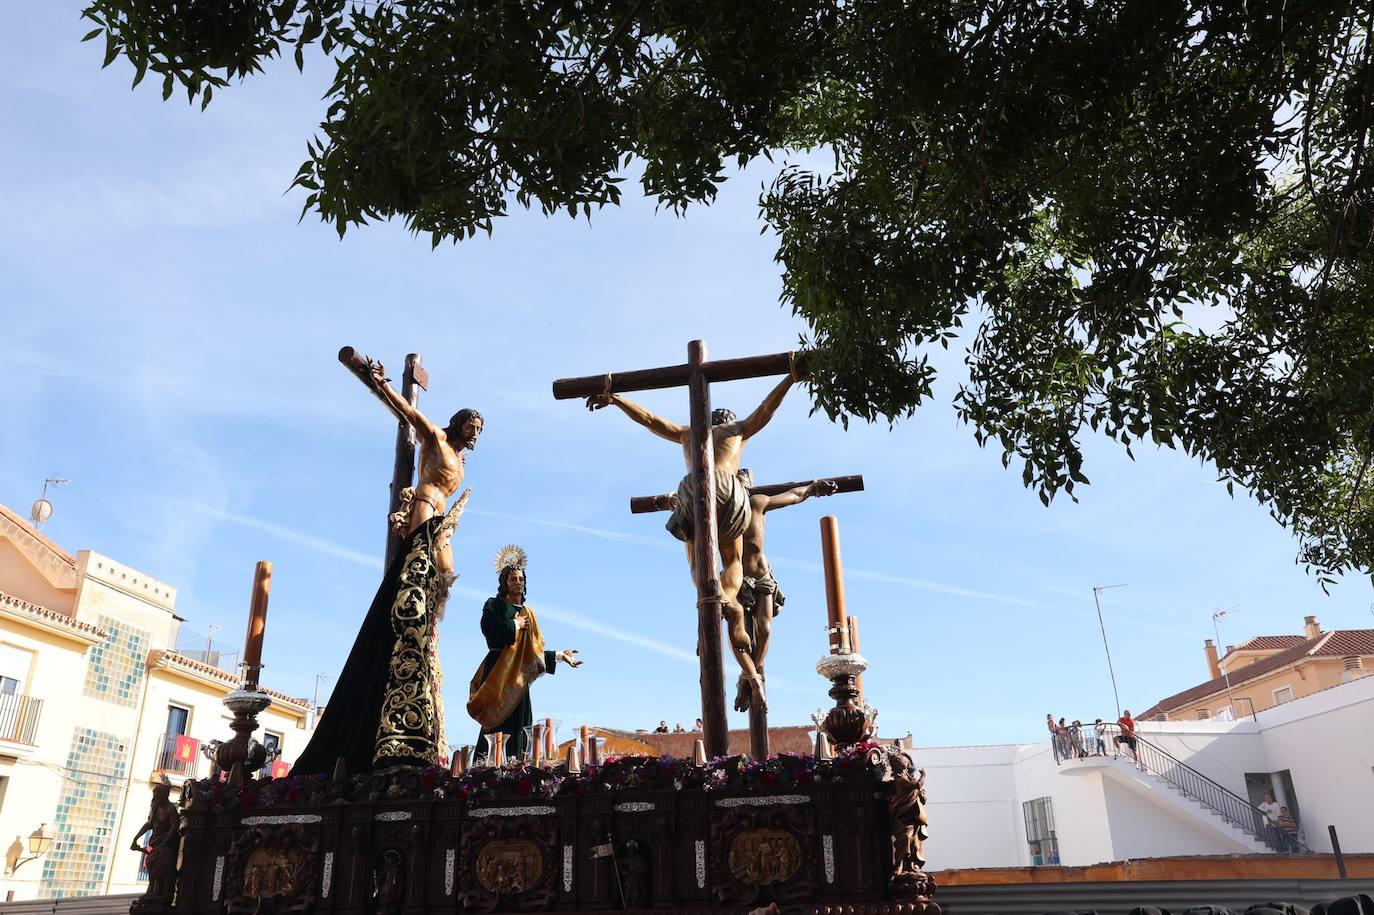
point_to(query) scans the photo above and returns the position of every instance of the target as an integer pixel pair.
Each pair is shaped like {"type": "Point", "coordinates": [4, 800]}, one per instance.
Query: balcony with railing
{"type": "Point", "coordinates": [171, 757]}
{"type": "Point", "coordinates": [19, 716]}
{"type": "Point", "coordinates": [1154, 760]}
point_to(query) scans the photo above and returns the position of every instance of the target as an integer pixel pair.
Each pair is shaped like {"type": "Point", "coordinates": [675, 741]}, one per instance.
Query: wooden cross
{"type": "Point", "coordinates": [414, 379]}
{"type": "Point", "coordinates": [640, 505]}
{"type": "Point", "coordinates": [758, 717]}
{"type": "Point", "coordinates": [696, 374]}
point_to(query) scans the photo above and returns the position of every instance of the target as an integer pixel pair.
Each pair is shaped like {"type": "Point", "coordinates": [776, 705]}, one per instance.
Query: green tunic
{"type": "Point", "coordinates": [498, 625]}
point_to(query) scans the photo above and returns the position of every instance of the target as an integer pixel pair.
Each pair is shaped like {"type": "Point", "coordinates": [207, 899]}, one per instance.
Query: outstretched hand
{"type": "Point", "coordinates": [597, 401]}
{"type": "Point", "coordinates": [824, 488]}
{"type": "Point", "coordinates": [569, 657]}
{"type": "Point", "coordinates": [377, 370]}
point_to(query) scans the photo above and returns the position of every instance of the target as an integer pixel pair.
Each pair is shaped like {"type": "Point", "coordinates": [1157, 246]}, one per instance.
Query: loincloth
{"type": "Point", "coordinates": [753, 588]}
{"type": "Point", "coordinates": [400, 519]}
{"type": "Point", "coordinates": [732, 508]}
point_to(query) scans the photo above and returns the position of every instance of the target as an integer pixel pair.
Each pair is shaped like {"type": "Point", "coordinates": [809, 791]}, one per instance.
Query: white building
{"type": "Point", "coordinates": [1013, 805]}
{"type": "Point", "coordinates": [95, 703]}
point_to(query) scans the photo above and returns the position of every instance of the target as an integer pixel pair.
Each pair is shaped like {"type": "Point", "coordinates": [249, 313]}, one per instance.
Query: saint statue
{"type": "Point", "coordinates": [759, 593]}
{"type": "Point", "coordinates": [499, 695]}
{"type": "Point", "coordinates": [164, 842]}
{"type": "Point", "coordinates": [386, 708]}
{"type": "Point", "coordinates": [728, 436]}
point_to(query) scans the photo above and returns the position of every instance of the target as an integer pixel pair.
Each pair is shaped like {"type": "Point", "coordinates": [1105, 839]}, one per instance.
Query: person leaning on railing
{"type": "Point", "coordinates": [1127, 736]}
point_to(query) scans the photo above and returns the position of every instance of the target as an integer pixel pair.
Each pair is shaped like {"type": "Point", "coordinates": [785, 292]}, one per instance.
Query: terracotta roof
{"type": "Point", "coordinates": [1337, 643]}
{"type": "Point", "coordinates": [780, 740]}
{"type": "Point", "coordinates": [224, 676]}
{"type": "Point", "coordinates": [10, 602]}
{"type": "Point", "coordinates": [1347, 642]}
{"type": "Point", "coordinates": [32, 531]}
{"type": "Point", "coordinates": [1270, 643]}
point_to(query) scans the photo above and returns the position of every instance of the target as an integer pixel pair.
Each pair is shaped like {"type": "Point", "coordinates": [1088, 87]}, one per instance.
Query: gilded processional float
{"type": "Point", "coordinates": [379, 816]}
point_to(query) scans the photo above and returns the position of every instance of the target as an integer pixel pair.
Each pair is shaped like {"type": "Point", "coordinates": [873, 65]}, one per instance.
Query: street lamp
{"type": "Point", "coordinates": [40, 840]}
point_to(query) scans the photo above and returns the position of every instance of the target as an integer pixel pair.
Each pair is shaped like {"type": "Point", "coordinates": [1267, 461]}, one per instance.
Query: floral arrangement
{"type": "Point", "coordinates": [621, 773]}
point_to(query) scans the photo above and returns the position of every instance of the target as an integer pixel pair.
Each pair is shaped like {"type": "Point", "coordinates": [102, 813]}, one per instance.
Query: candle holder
{"type": "Point", "coordinates": [849, 722]}
{"type": "Point", "coordinates": [242, 749]}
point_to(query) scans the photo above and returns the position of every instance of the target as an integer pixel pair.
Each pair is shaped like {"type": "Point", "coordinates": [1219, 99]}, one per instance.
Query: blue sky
{"type": "Point", "coordinates": [167, 341]}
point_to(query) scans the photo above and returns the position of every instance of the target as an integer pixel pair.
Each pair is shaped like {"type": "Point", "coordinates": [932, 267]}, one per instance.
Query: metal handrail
{"type": "Point", "coordinates": [1191, 783]}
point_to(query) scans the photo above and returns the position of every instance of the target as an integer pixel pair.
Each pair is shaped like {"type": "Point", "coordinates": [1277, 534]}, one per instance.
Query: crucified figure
{"type": "Point", "coordinates": [759, 594]}
{"type": "Point", "coordinates": [442, 456]}
{"type": "Point", "coordinates": [728, 436]}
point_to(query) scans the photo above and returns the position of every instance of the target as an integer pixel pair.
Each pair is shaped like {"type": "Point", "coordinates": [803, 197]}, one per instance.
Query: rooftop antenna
{"type": "Point", "coordinates": [41, 510]}
{"type": "Point", "coordinates": [1217, 616]}
{"type": "Point", "coordinates": [1097, 600]}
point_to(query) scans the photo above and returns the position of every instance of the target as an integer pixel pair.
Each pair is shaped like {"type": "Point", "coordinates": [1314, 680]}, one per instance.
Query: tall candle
{"type": "Point", "coordinates": [837, 621]}
{"type": "Point", "coordinates": [498, 749]}
{"type": "Point", "coordinates": [854, 647]}
{"type": "Point", "coordinates": [536, 748]}
{"type": "Point", "coordinates": [593, 751]}
{"type": "Point", "coordinates": [582, 740]}
{"type": "Point", "coordinates": [550, 746]}
{"type": "Point", "coordinates": [257, 621]}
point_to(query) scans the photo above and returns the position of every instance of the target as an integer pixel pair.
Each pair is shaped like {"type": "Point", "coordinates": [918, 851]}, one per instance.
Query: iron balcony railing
{"type": "Point", "coordinates": [1230, 806]}
{"type": "Point", "coordinates": [167, 760]}
{"type": "Point", "coordinates": [19, 718]}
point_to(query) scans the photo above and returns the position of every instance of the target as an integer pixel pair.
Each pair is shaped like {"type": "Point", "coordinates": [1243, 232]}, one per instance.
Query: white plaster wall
{"type": "Point", "coordinates": [975, 818]}
{"type": "Point", "coordinates": [35, 774]}
{"type": "Point", "coordinates": [1326, 740]}
{"type": "Point", "coordinates": [1080, 812]}
{"type": "Point", "coordinates": [1141, 827]}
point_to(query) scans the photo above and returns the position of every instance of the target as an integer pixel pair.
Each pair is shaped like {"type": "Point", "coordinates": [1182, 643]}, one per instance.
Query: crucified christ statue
{"type": "Point", "coordinates": [442, 461]}
{"type": "Point", "coordinates": [388, 700]}
{"type": "Point", "coordinates": [759, 594]}
{"type": "Point", "coordinates": [728, 436]}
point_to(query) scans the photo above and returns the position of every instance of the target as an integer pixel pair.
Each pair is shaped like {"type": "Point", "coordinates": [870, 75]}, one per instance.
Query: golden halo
{"type": "Point", "coordinates": [511, 556]}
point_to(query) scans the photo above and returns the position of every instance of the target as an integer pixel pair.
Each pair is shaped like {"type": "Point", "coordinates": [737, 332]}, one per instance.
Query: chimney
{"type": "Point", "coordinates": [1213, 666]}
{"type": "Point", "coordinates": [1310, 629]}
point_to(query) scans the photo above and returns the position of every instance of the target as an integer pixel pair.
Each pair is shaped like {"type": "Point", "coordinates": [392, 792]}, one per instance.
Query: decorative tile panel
{"type": "Point", "coordinates": [84, 821]}
{"type": "Point", "coordinates": [114, 667]}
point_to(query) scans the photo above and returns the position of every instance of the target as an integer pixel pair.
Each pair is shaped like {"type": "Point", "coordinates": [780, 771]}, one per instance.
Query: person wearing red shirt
{"type": "Point", "coordinates": [1127, 736]}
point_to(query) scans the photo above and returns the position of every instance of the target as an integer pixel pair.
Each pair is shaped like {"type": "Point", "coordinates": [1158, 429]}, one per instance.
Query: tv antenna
{"type": "Point", "coordinates": [1097, 595]}
{"type": "Point", "coordinates": [41, 510]}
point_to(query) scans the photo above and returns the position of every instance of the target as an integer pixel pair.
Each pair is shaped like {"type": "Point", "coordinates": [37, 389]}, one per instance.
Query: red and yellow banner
{"type": "Point", "coordinates": [186, 748]}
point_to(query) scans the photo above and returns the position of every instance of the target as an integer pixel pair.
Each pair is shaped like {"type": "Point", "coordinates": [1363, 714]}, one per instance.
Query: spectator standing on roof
{"type": "Point", "coordinates": [1127, 736]}
{"type": "Point", "coordinates": [1100, 738]}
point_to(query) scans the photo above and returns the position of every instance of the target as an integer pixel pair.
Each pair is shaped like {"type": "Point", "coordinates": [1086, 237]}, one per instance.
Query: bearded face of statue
{"type": "Point", "coordinates": [512, 586]}
{"type": "Point", "coordinates": [464, 428]}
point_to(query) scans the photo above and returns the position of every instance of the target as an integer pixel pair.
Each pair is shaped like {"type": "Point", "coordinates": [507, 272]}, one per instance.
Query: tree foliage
{"type": "Point", "coordinates": [1151, 218]}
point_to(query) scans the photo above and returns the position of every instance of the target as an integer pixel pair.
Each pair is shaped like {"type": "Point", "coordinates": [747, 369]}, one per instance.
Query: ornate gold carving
{"type": "Point", "coordinates": [763, 856]}
{"type": "Point", "coordinates": [507, 866]}
{"type": "Point", "coordinates": [273, 870]}
{"type": "Point", "coordinates": [411, 721]}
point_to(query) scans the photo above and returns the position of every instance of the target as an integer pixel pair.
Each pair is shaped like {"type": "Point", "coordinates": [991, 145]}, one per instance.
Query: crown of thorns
{"type": "Point", "coordinates": [511, 556]}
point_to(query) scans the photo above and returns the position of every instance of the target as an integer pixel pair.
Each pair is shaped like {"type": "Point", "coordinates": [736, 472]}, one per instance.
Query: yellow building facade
{"type": "Point", "coordinates": [97, 706]}
{"type": "Point", "coordinates": [1270, 670]}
